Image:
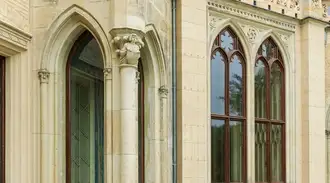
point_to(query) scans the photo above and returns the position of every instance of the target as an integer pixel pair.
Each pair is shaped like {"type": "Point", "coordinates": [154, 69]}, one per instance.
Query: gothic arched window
{"type": "Point", "coordinates": [269, 114]}
{"type": "Point", "coordinates": [85, 112]}
{"type": "Point", "coordinates": [228, 109]}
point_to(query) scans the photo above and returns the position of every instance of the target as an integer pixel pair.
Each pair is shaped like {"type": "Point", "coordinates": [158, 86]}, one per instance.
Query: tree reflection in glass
{"type": "Point", "coordinates": [218, 84]}
{"type": "Point", "coordinates": [235, 86]}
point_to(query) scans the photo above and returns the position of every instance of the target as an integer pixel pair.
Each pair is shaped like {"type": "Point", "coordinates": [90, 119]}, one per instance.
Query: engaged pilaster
{"type": "Point", "coordinates": [47, 131]}
{"type": "Point", "coordinates": [128, 52]}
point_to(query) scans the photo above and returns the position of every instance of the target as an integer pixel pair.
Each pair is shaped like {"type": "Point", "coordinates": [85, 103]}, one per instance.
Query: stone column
{"type": "Point", "coordinates": [47, 132]}
{"type": "Point", "coordinates": [165, 154]}
{"type": "Point", "coordinates": [128, 55]}
{"type": "Point", "coordinates": [108, 124]}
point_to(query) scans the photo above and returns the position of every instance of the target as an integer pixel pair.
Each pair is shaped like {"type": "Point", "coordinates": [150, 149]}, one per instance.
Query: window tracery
{"type": "Point", "coordinates": [228, 114]}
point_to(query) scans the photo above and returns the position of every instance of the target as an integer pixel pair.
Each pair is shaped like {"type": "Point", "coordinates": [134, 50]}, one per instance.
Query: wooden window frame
{"type": "Point", "coordinates": [237, 50]}
{"type": "Point", "coordinates": [141, 124]}
{"type": "Point", "coordinates": [77, 47]}
{"type": "Point", "coordinates": [268, 121]}
{"type": "Point", "coordinates": [3, 121]}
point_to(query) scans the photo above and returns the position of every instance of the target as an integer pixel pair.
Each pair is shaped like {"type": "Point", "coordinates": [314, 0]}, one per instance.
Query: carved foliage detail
{"type": "Point", "coordinates": [316, 3]}
{"type": "Point", "coordinates": [163, 91]}
{"type": "Point", "coordinates": [43, 75]}
{"type": "Point", "coordinates": [284, 38]}
{"type": "Point", "coordinates": [128, 48]}
{"type": "Point", "coordinates": [107, 73]}
{"type": "Point", "coordinates": [213, 22]}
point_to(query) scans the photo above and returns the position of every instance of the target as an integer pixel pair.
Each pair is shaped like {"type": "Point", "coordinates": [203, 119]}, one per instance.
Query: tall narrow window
{"type": "Point", "coordinates": [269, 114]}
{"type": "Point", "coordinates": [228, 114]}
{"type": "Point", "coordinates": [85, 112]}
{"type": "Point", "coordinates": [2, 119]}
{"type": "Point", "coordinates": [141, 123]}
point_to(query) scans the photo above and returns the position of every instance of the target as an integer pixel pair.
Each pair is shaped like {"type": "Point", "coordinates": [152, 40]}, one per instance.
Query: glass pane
{"type": "Point", "coordinates": [217, 84]}
{"type": "Point", "coordinates": [236, 151]}
{"type": "Point", "coordinates": [276, 88]}
{"type": "Point", "coordinates": [276, 152]}
{"type": "Point", "coordinates": [260, 90]}
{"type": "Point", "coordinates": [218, 150]}
{"type": "Point", "coordinates": [235, 87]}
{"type": "Point", "coordinates": [268, 49]}
{"type": "Point", "coordinates": [260, 152]}
{"type": "Point", "coordinates": [227, 41]}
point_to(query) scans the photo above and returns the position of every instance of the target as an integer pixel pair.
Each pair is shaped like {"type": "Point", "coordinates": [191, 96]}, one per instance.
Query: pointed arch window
{"type": "Point", "coordinates": [269, 114]}
{"type": "Point", "coordinates": [228, 109]}
{"type": "Point", "coordinates": [85, 112]}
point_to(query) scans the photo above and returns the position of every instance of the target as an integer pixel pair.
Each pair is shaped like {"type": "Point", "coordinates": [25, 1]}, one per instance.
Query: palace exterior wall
{"type": "Point", "coordinates": [29, 27]}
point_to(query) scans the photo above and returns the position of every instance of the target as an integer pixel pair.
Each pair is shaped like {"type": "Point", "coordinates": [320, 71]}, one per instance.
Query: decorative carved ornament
{"type": "Point", "coordinates": [325, 11]}
{"type": "Point", "coordinates": [163, 91]}
{"type": "Point", "coordinates": [128, 48]}
{"type": "Point", "coordinates": [251, 32]}
{"type": "Point", "coordinates": [327, 133]}
{"type": "Point", "coordinates": [284, 38]}
{"type": "Point", "coordinates": [316, 3]}
{"type": "Point", "coordinates": [213, 22]}
{"type": "Point", "coordinates": [43, 75]}
{"type": "Point", "coordinates": [107, 73]}
{"type": "Point", "coordinates": [250, 15]}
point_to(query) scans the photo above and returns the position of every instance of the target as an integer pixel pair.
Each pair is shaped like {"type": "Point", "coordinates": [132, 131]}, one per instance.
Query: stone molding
{"type": "Point", "coordinates": [17, 39]}
{"type": "Point", "coordinates": [128, 48]}
{"type": "Point", "coordinates": [253, 15]}
{"type": "Point", "coordinates": [43, 75]}
{"type": "Point", "coordinates": [163, 91]}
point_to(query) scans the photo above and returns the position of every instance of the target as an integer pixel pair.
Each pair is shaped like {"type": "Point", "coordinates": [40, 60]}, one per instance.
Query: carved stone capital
{"type": "Point", "coordinates": [107, 73]}
{"type": "Point", "coordinates": [128, 48]}
{"type": "Point", "coordinates": [43, 75]}
{"type": "Point", "coordinates": [163, 91]}
{"type": "Point", "coordinates": [327, 133]}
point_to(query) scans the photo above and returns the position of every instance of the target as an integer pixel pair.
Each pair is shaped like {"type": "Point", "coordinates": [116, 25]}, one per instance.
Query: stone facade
{"type": "Point", "coordinates": [36, 37]}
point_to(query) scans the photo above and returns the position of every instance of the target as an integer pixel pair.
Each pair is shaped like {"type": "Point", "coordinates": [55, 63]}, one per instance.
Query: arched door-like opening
{"type": "Point", "coordinates": [85, 112]}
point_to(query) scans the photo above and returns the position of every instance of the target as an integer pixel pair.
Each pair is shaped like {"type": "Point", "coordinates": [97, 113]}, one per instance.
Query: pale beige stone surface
{"type": "Point", "coordinates": [36, 38]}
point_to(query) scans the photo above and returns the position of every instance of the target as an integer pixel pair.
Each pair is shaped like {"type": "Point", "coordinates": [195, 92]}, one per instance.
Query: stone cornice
{"type": "Point", "coordinates": [14, 39]}
{"type": "Point", "coordinates": [314, 20]}
{"type": "Point", "coordinates": [249, 12]}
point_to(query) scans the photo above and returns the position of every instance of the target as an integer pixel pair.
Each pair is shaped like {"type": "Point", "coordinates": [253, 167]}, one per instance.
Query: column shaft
{"type": "Point", "coordinates": [129, 124]}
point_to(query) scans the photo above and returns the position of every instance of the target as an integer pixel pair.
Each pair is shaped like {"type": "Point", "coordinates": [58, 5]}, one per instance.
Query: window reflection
{"type": "Point", "coordinates": [276, 88]}
{"type": "Point", "coordinates": [218, 84]}
{"type": "Point", "coordinates": [260, 89]}
{"type": "Point", "coordinates": [235, 86]}
{"type": "Point", "coordinates": [236, 151]}
{"type": "Point", "coordinates": [218, 150]}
